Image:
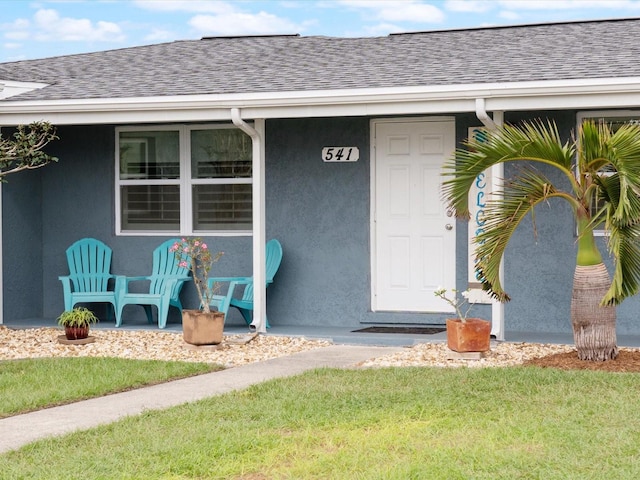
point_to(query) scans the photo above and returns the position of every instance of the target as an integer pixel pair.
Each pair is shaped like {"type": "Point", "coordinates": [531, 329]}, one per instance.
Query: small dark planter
{"type": "Point", "coordinates": [76, 333]}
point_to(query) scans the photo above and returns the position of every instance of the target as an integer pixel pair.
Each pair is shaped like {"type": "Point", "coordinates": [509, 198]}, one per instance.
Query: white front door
{"type": "Point", "coordinates": [414, 238]}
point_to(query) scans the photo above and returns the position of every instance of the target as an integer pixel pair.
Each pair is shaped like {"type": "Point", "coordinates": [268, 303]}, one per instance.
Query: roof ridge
{"type": "Point", "coordinates": [264, 35]}
{"type": "Point", "coordinates": [517, 25]}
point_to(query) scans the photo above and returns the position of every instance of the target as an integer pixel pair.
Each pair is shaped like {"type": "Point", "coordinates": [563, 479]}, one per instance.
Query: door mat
{"type": "Point", "coordinates": [407, 330]}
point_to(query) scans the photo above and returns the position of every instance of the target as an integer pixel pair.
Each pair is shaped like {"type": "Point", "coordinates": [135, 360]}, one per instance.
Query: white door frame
{"type": "Point", "coordinates": [373, 192]}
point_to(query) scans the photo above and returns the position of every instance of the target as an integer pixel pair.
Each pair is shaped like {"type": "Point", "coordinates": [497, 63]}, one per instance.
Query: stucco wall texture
{"type": "Point", "coordinates": [319, 211]}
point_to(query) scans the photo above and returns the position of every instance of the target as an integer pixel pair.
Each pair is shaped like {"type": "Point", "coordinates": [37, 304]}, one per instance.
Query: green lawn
{"type": "Point", "coordinates": [32, 384]}
{"type": "Point", "coordinates": [400, 423]}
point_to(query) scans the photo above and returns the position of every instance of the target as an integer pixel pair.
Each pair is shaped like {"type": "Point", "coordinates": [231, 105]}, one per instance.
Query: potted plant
{"type": "Point", "coordinates": [465, 334]}
{"type": "Point", "coordinates": [76, 322]}
{"type": "Point", "coordinates": [202, 326]}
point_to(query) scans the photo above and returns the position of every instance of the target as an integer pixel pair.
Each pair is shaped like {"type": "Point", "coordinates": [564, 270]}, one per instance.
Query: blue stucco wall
{"type": "Point", "coordinates": [540, 260]}
{"type": "Point", "coordinates": [22, 262]}
{"type": "Point", "coordinates": [77, 202]}
{"type": "Point", "coordinates": [319, 211]}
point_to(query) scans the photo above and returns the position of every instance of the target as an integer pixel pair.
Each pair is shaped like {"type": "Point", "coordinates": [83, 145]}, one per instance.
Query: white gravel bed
{"type": "Point", "coordinates": [438, 355]}
{"type": "Point", "coordinates": [147, 345]}
{"type": "Point", "coordinates": [156, 345]}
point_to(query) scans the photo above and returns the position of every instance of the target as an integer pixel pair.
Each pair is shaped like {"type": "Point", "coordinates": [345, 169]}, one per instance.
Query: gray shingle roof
{"type": "Point", "coordinates": [596, 49]}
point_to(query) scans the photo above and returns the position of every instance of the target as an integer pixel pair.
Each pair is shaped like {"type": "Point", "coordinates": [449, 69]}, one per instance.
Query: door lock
{"type": "Point", "coordinates": [448, 226]}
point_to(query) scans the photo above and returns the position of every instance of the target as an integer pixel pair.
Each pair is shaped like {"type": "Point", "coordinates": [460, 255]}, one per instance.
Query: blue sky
{"type": "Point", "coordinates": [37, 29]}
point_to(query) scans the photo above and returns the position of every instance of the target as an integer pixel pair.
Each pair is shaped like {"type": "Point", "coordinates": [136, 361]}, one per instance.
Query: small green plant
{"type": "Point", "coordinates": [77, 317]}
{"type": "Point", "coordinates": [454, 302]}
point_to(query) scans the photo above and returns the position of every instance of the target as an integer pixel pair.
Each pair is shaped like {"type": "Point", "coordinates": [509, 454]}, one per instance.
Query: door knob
{"type": "Point", "coordinates": [448, 226]}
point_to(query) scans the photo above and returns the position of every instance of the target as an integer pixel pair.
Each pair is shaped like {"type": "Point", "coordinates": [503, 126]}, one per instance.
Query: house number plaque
{"type": "Point", "coordinates": [340, 154]}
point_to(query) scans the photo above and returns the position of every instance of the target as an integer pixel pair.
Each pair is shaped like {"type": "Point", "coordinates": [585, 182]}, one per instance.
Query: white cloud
{"type": "Point", "coordinates": [531, 10]}
{"type": "Point", "coordinates": [17, 30]}
{"type": "Point", "coordinates": [512, 6]}
{"type": "Point", "coordinates": [398, 10]}
{"type": "Point", "coordinates": [194, 6]}
{"type": "Point", "coordinates": [49, 25]}
{"type": "Point", "coordinates": [224, 18]}
{"type": "Point", "coordinates": [16, 58]}
{"type": "Point", "coordinates": [577, 5]}
{"type": "Point", "coordinates": [19, 23]}
{"type": "Point", "coordinates": [16, 34]}
{"type": "Point", "coordinates": [544, 10]}
{"type": "Point", "coordinates": [237, 23]}
{"type": "Point", "coordinates": [159, 35]}
{"type": "Point", "coordinates": [11, 46]}
{"type": "Point", "coordinates": [381, 29]}
{"type": "Point", "coordinates": [509, 15]}
{"type": "Point", "coordinates": [469, 6]}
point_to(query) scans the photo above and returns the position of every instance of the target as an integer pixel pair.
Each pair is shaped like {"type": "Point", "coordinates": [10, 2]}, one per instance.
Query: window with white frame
{"type": "Point", "coordinates": [183, 179]}
{"type": "Point", "coordinates": [615, 119]}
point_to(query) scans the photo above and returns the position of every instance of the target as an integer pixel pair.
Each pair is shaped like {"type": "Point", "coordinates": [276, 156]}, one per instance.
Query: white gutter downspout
{"type": "Point", "coordinates": [259, 219]}
{"type": "Point", "coordinates": [497, 174]}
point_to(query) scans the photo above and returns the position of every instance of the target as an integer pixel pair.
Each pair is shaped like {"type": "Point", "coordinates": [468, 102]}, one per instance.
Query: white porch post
{"type": "Point", "coordinates": [497, 308]}
{"type": "Point", "coordinates": [496, 174]}
{"type": "Point", "coordinates": [256, 133]}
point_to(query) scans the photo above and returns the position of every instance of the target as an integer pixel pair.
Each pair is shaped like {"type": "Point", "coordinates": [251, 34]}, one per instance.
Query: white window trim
{"type": "Point", "coordinates": [185, 182]}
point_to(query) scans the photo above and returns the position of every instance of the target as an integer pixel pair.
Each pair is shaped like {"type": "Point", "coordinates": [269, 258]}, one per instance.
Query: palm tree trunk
{"type": "Point", "coordinates": [594, 326]}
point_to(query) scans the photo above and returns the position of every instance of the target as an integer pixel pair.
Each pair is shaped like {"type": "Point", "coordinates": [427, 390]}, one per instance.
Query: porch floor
{"type": "Point", "coordinates": [340, 335]}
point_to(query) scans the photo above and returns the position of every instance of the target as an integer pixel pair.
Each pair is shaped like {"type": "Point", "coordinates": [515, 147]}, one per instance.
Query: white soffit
{"type": "Point", "coordinates": [548, 95]}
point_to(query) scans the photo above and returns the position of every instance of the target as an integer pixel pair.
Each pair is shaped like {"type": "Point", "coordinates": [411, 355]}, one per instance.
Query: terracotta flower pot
{"type": "Point", "coordinates": [199, 328]}
{"type": "Point", "coordinates": [76, 333]}
{"type": "Point", "coordinates": [474, 335]}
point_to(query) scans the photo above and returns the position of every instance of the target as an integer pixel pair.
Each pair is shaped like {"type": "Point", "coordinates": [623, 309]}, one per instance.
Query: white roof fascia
{"type": "Point", "coordinates": [9, 88]}
{"type": "Point", "coordinates": [546, 95]}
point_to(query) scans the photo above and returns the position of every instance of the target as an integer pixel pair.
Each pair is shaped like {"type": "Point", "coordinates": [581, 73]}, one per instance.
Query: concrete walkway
{"type": "Point", "coordinates": [23, 429]}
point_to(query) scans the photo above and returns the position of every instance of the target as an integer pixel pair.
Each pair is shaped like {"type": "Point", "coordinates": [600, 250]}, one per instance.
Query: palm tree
{"type": "Point", "coordinates": [601, 169]}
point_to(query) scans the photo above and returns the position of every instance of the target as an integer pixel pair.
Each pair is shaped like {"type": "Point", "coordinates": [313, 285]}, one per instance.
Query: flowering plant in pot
{"type": "Point", "coordinates": [202, 326]}
{"type": "Point", "coordinates": [76, 322]}
{"type": "Point", "coordinates": [464, 334]}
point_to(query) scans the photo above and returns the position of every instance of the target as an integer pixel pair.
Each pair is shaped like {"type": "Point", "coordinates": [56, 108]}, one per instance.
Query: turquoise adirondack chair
{"type": "Point", "coordinates": [165, 284]}
{"type": "Point", "coordinates": [273, 255]}
{"type": "Point", "coordinates": [89, 274]}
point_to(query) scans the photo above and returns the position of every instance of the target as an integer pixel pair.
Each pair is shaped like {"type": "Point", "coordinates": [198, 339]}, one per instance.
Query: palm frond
{"type": "Point", "coordinates": [602, 198]}
{"type": "Point", "coordinates": [533, 141]}
{"type": "Point", "coordinates": [607, 191]}
{"type": "Point", "coordinates": [625, 157]}
{"type": "Point", "coordinates": [592, 149]}
{"type": "Point", "coordinates": [612, 160]}
{"type": "Point", "coordinates": [502, 216]}
{"type": "Point", "coordinates": [624, 245]}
